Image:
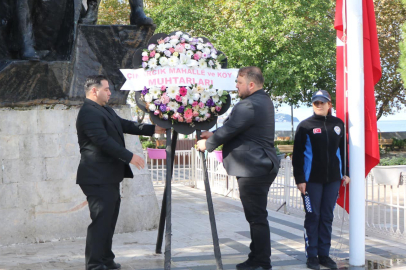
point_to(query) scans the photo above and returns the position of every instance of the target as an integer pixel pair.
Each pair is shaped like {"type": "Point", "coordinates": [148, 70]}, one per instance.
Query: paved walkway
{"type": "Point", "coordinates": [192, 244]}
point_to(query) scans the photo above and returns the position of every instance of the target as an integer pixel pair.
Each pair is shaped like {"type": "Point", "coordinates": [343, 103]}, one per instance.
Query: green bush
{"type": "Point", "coordinates": [392, 161]}
{"type": "Point", "coordinates": [161, 147]}
{"type": "Point", "coordinates": [277, 150]}
{"type": "Point", "coordinates": [397, 143]}
{"type": "Point", "coordinates": [219, 148]}
{"type": "Point", "coordinates": [148, 144]}
{"type": "Point", "coordinates": [283, 143]}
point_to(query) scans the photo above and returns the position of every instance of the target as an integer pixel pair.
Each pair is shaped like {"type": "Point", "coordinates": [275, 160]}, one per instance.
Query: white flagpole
{"type": "Point", "coordinates": [356, 131]}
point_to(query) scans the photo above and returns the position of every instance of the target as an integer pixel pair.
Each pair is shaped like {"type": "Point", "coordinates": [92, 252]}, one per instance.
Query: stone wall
{"type": "Point", "coordinates": [39, 198]}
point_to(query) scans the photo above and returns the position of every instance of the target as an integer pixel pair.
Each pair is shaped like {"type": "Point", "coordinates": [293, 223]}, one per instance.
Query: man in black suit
{"type": "Point", "coordinates": [103, 165]}
{"type": "Point", "coordinates": [247, 136]}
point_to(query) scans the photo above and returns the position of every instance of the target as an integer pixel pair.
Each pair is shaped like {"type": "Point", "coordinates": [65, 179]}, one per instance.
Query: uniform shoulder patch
{"type": "Point", "coordinates": [337, 129]}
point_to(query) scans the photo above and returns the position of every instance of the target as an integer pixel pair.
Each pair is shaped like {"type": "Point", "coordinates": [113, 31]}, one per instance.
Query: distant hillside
{"type": "Point", "coordinates": [282, 117]}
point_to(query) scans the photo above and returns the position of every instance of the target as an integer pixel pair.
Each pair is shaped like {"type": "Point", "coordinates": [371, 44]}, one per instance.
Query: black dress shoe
{"type": "Point", "coordinates": [327, 262]}
{"type": "Point", "coordinates": [113, 266]}
{"type": "Point", "coordinates": [313, 263]}
{"type": "Point", "coordinates": [248, 265]}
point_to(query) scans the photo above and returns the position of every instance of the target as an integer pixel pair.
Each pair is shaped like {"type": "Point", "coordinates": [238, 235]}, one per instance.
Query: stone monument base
{"type": "Point", "coordinates": [39, 198]}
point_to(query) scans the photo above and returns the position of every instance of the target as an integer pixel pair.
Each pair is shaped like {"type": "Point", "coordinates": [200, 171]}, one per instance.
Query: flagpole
{"type": "Point", "coordinates": [356, 123]}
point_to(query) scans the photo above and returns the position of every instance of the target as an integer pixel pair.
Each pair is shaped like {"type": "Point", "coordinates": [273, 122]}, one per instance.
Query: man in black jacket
{"type": "Point", "coordinates": [103, 165]}
{"type": "Point", "coordinates": [248, 153]}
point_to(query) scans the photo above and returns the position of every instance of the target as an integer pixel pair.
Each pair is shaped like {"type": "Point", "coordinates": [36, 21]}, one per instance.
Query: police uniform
{"type": "Point", "coordinates": [318, 161]}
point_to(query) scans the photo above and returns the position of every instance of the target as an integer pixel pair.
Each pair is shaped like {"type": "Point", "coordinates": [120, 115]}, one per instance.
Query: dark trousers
{"type": "Point", "coordinates": [254, 199]}
{"type": "Point", "coordinates": [104, 205]}
{"type": "Point", "coordinates": [319, 217]}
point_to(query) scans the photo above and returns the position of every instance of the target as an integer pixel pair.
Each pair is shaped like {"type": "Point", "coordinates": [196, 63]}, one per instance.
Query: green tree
{"type": "Point", "coordinates": [113, 12]}
{"type": "Point", "coordinates": [293, 42]}
{"type": "Point", "coordinates": [390, 92]}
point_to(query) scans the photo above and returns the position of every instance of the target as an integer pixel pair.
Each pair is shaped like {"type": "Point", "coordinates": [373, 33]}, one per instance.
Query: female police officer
{"type": "Point", "coordinates": [319, 167]}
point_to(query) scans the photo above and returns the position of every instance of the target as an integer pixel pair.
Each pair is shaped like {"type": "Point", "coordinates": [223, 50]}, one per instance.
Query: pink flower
{"type": "Point", "coordinates": [189, 113]}
{"type": "Point", "coordinates": [178, 98]}
{"type": "Point", "coordinates": [189, 120]}
{"type": "Point", "coordinates": [156, 112]}
{"type": "Point", "coordinates": [145, 58]}
{"type": "Point", "coordinates": [183, 91]}
{"type": "Point", "coordinates": [207, 115]}
{"type": "Point", "coordinates": [161, 41]}
{"type": "Point", "coordinates": [218, 108]}
{"type": "Point", "coordinates": [175, 116]}
{"type": "Point", "coordinates": [152, 54]}
{"type": "Point", "coordinates": [172, 50]}
{"type": "Point", "coordinates": [165, 99]}
{"type": "Point", "coordinates": [195, 104]}
{"type": "Point", "coordinates": [201, 104]}
{"type": "Point", "coordinates": [180, 119]}
{"type": "Point", "coordinates": [163, 88]}
{"type": "Point", "coordinates": [168, 109]}
{"type": "Point", "coordinates": [195, 114]}
{"type": "Point", "coordinates": [179, 48]}
{"type": "Point", "coordinates": [196, 57]}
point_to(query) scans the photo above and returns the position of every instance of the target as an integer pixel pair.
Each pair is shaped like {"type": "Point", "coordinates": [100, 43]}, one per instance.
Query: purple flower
{"type": "Point", "coordinates": [144, 64]}
{"type": "Point", "coordinates": [213, 51]}
{"type": "Point", "coordinates": [167, 39]}
{"type": "Point", "coordinates": [192, 47]}
{"type": "Point", "coordinates": [167, 53]}
{"type": "Point", "coordinates": [210, 103]}
{"type": "Point", "coordinates": [211, 45]}
{"type": "Point", "coordinates": [182, 40]}
{"type": "Point", "coordinates": [162, 108]}
{"type": "Point", "coordinates": [145, 91]}
{"type": "Point", "coordinates": [157, 102]}
{"type": "Point", "coordinates": [181, 109]}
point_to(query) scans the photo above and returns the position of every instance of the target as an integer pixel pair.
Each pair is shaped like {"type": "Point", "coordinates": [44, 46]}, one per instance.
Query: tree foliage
{"type": "Point", "coordinates": [292, 41]}
{"type": "Point", "coordinates": [390, 91]}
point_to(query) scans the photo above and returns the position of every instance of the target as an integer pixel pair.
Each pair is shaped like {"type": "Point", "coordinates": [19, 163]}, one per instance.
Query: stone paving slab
{"type": "Point", "coordinates": [192, 243]}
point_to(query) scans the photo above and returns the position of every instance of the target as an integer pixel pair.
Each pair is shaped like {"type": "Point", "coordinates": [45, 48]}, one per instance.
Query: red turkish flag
{"type": "Point", "coordinates": [372, 74]}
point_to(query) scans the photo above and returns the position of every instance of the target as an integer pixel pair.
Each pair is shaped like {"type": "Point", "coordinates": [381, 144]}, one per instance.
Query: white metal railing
{"type": "Point", "coordinates": [384, 206]}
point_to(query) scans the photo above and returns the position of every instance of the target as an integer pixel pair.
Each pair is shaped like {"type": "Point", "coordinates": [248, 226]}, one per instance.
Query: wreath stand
{"type": "Point", "coordinates": [166, 209]}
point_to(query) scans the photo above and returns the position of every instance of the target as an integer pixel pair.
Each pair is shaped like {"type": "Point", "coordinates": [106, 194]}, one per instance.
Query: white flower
{"type": "Point", "coordinates": [173, 42]}
{"type": "Point", "coordinates": [202, 63]}
{"type": "Point", "coordinates": [196, 96]}
{"type": "Point", "coordinates": [218, 65]}
{"type": "Point", "coordinates": [213, 55]}
{"type": "Point", "coordinates": [157, 55]}
{"type": "Point", "coordinates": [151, 47]}
{"type": "Point", "coordinates": [152, 107]}
{"type": "Point", "coordinates": [204, 110]}
{"type": "Point", "coordinates": [155, 91]}
{"type": "Point", "coordinates": [189, 53]}
{"type": "Point", "coordinates": [168, 45]}
{"type": "Point", "coordinates": [200, 40]}
{"type": "Point", "coordinates": [152, 63]}
{"type": "Point", "coordinates": [173, 106]}
{"type": "Point", "coordinates": [179, 33]}
{"type": "Point", "coordinates": [187, 47]}
{"type": "Point", "coordinates": [199, 46]}
{"type": "Point", "coordinates": [186, 37]}
{"type": "Point", "coordinates": [215, 98]}
{"type": "Point", "coordinates": [204, 97]}
{"type": "Point", "coordinates": [163, 61]}
{"type": "Point", "coordinates": [206, 51]}
{"type": "Point", "coordinates": [199, 89]}
{"type": "Point", "coordinates": [184, 59]}
{"type": "Point", "coordinates": [165, 116]}
{"type": "Point", "coordinates": [144, 54]}
{"type": "Point", "coordinates": [172, 91]}
{"type": "Point", "coordinates": [220, 92]}
{"type": "Point", "coordinates": [184, 100]}
{"type": "Point", "coordinates": [193, 63]}
{"type": "Point", "coordinates": [148, 98]}
{"type": "Point", "coordinates": [189, 96]}
{"type": "Point", "coordinates": [173, 61]}
{"type": "Point", "coordinates": [161, 47]}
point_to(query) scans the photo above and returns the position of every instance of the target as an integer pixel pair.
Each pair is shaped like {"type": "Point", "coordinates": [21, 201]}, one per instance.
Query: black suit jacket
{"type": "Point", "coordinates": [104, 158]}
{"type": "Point", "coordinates": [247, 136]}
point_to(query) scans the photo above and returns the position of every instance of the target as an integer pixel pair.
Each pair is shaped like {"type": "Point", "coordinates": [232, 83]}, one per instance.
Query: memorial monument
{"type": "Point", "coordinates": [47, 49]}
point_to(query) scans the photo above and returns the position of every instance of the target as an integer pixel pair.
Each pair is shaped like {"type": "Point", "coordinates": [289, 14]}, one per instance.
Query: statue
{"type": "Point", "coordinates": [137, 15]}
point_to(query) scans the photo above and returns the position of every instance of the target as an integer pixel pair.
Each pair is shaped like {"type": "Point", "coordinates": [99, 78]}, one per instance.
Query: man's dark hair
{"type": "Point", "coordinates": [253, 74]}
{"type": "Point", "coordinates": [94, 80]}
